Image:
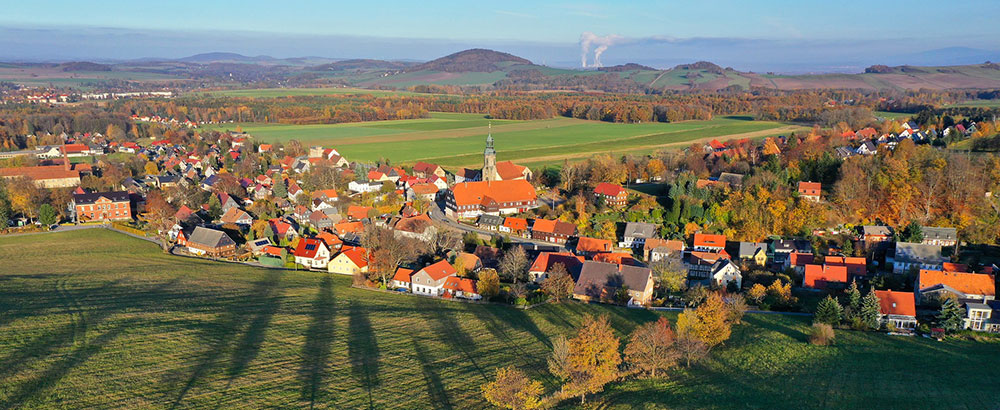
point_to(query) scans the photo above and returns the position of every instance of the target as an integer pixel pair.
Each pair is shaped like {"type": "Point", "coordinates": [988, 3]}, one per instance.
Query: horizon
{"type": "Point", "coordinates": [765, 36]}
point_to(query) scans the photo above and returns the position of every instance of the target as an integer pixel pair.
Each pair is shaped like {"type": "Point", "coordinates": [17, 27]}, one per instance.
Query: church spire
{"type": "Point", "coordinates": [489, 140]}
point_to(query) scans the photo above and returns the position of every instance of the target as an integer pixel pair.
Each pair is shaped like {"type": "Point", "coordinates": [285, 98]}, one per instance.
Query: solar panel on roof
{"type": "Point", "coordinates": [310, 247]}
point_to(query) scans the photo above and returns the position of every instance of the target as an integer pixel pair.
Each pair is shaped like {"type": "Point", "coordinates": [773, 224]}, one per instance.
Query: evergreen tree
{"type": "Point", "coordinates": [870, 310]}
{"type": "Point", "coordinates": [675, 211]}
{"type": "Point", "coordinates": [5, 210]}
{"type": "Point", "coordinates": [912, 233]}
{"type": "Point", "coordinates": [853, 301]}
{"type": "Point", "coordinates": [279, 189]}
{"type": "Point", "coordinates": [47, 215]}
{"type": "Point", "coordinates": [828, 311]}
{"type": "Point", "coordinates": [214, 207]}
{"type": "Point", "coordinates": [952, 315]}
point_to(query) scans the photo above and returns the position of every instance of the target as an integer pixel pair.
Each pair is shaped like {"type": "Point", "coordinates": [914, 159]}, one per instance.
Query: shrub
{"type": "Point", "coordinates": [822, 334]}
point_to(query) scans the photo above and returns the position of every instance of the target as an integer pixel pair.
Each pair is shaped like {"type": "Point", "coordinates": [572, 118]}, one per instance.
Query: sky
{"type": "Point", "coordinates": [745, 32]}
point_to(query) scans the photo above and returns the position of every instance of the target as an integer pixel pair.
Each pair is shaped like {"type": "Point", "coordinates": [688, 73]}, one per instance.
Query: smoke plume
{"type": "Point", "coordinates": [588, 40]}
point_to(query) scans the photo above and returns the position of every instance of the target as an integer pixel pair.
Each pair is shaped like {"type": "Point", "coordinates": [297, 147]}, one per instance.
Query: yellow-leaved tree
{"type": "Point", "coordinates": [593, 357]}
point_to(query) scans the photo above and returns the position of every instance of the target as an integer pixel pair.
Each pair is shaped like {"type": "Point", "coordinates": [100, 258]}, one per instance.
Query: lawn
{"type": "Point", "coordinates": [95, 319]}
{"type": "Point", "coordinates": [458, 139]}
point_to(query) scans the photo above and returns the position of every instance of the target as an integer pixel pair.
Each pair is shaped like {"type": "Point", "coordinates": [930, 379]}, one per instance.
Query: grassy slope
{"type": "Point", "coordinates": [121, 324]}
{"type": "Point", "coordinates": [287, 92]}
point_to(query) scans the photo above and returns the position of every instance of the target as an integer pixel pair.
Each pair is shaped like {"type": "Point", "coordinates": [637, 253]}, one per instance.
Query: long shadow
{"type": "Point", "coordinates": [319, 336]}
{"type": "Point", "coordinates": [757, 321]}
{"type": "Point", "coordinates": [57, 371]}
{"type": "Point", "coordinates": [444, 324]}
{"type": "Point", "coordinates": [363, 350]}
{"type": "Point", "coordinates": [249, 344]}
{"type": "Point", "coordinates": [435, 388]}
{"type": "Point", "coordinates": [219, 335]}
{"type": "Point", "coordinates": [498, 321]}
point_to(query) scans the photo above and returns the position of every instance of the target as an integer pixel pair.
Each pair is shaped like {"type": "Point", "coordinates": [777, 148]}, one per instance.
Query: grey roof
{"type": "Point", "coordinates": [596, 276]}
{"type": "Point", "coordinates": [918, 252]}
{"type": "Point", "coordinates": [938, 233]}
{"type": "Point", "coordinates": [257, 244]}
{"type": "Point", "coordinates": [89, 198]}
{"type": "Point", "coordinates": [748, 249]}
{"type": "Point", "coordinates": [977, 305]}
{"type": "Point", "coordinates": [210, 237]}
{"type": "Point", "coordinates": [640, 230]}
{"type": "Point", "coordinates": [731, 178]}
{"type": "Point", "coordinates": [491, 220]}
{"type": "Point", "coordinates": [876, 230]}
{"type": "Point", "coordinates": [792, 245]}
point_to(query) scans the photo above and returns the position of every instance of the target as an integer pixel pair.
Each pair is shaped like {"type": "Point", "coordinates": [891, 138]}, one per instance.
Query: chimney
{"type": "Point", "coordinates": [65, 157]}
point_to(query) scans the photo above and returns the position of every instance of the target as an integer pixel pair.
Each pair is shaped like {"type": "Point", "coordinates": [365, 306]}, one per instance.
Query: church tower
{"type": "Point", "coordinates": [490, 159]}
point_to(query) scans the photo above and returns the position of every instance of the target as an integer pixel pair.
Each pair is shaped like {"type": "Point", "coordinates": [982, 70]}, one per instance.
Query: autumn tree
{"type": "Point", "coordinates": [512, 389]}
{"type": "Point", "coordinates": [757, 293]}
{"type": "Point", "coordinates": [488, 284]}
{"type": "Point", "coordinates": [25, 196]}
{"type": "Point", "coordinates": [737, 305]}
{"type": "Point", "coordinates": [151, 169]}
{"type": "Point", "coordinates": [709, 322]}
{"type": "Point", "coordinates": [386, 252]}
{"type": "Point", "coordinates": [669, 274]}
{"type": "Point", "coordinates": [559, 284]}
{"type": "Point", "coordinates": [650, 348]}
{"type": "Point", "coordinates": [593, 357]}
{"type": "Point", "coordinates": [514, 264]}
{"type": "Point", "coordinates": [690, 348]}
{"type": "Point", "coordinates": [558, 362]}
{"type": "Point", "coordinates": [160, 215]}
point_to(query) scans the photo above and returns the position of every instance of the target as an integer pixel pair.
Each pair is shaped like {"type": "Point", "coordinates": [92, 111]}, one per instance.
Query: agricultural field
{"type": "Point", "coordinates": [50, 76]}
{"type": "Point", "coordinates": [296, 92]}
{"type": "Point", "coordinates": [96, 319]}
{"type": "Point", "coordinates": [456, 140]}
{"type": "Point", "coordinates": [977, 103]}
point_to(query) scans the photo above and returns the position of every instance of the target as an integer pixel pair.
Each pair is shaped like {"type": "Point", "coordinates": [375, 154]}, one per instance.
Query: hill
{"type": "Point", "coordinates": [84, 66]}
{"type": "Point", "coordinates": [476, 60]}
{"type": "Point", "coordinates": [224, 57]}
{"type": "Point", "coordinates": [626, 67]}
{"type": "Point", "coordinates": [361, 64]}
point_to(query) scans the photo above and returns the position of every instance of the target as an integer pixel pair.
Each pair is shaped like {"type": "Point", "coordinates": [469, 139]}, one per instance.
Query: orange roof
{"type": "Point", "coordinates": [358, 212]}
{"type": "Point", "coordinates": [896, 303]}
{"type": "Point", "coordinates": [415, 224]}
{"type": "Point", "coordinates": [345, 227]}
{"type": "Point", "coordinates": [954, 267]}
{"type": "Point", "coordinates": [508, 170]}
{"type": "Point", "coordinates": [587, 244]}
{"type": "Point", "coordinates": [855, 265]}
{"type": "Point", "coordinates": [516, 224]}
{"type": "Point", "coordinates": [799, 259]}
{"type": "Point", "coordinates": [551, 226]}
{"type": "Point", "coordinates": [329, 193]}
{"type": "Point", "coordinates": [467, 260]}
{"type": "Point", "coordinates": [68, 148]}
{"type": "Point", "coordinates": [701, 183]}
{"type": "Point", "coordinates": [671, 245]}
{"type": "Point", "coordinates": [967, 283]}
{"type": "Point", "coordinates": [330, 239]}
{"type": "Point", "coordinates": [709, 257]}
{"type": "Point", "coordinates": [40, 173]}
{"type": "Point", "coordinates": [607, 189]}
{"type": "Point", "coordinates": [817, 276]}
{"type": "Point", "coordinates": [473, 193]}
{"type": "Point", "coordinates": [402, 274]}
{"type": "Point", "coordinates": [424, 189]}
{"type": "Point", "coordinates": [709, 240]}
{"type": "Point", "coordinates": [458, 284]}
{"type": "Point", "coordinates": [546, 260]}
{"type": "Point", "coordinates": [356, 254]}
{"type": "Point", "coordinates": [439, 270]}
{"type": "Point", "coordinates": [272, 250]}
{"type": "Point", "coordinates": [425, 167]}
{"type": "Point", "coordinates": [809, 186]}
{"type": "Point", "coordinates": [308, 248]}
{"type": "Point", "coordinates": [619, 258]}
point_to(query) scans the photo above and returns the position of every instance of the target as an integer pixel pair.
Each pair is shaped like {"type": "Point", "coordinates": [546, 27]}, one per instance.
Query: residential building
{"type": "Point", "coordinates": [798, 261]}
{"type": "Point", "coordinates": [655, 249]}
{"type": "Point", "coordinates": [542, 266]}
{"type": "Point", "coordinates": [456, 287]}
{"type": "Point", "coordinates": [897, 309]}
{"type": "Point", "coordinates": [810, 190]}
{"type": "Point", "coordinates": [351, 260]}
{"type": "Point", "coordinates": [600, 281]}
{"type": "Point", "coordinates": [207, 241]}
{"type": "Point", "coordinates": [515, 226]}
{"type": "Point", "coordinates": [401, 279]}
{"type": "Point", "coordinates": [587, 246]}
{"type": "Point", "coordinates": [934, 284]}
{"type": "Point", "coordinates": [613, 194]}
{"type": "Point", "coordinates": [753, 251]}
{"type": "Point", "coordinates": [874, 235]}
{"type": "Point", "coordinates": [237, 216]}
{"type": "Point", "coordinates": [636, 234]}
{"type": "Point", "coordinates": [554, 231]}
{"type": "Point", "coordinates": [825, 277]}
{"type": "Point", "coordinates": [490, 222]}
{"type": "Point", "coordinates": [709, 243]}
{"type": "Point", "coordinates": [916, 256]}
{"type": "Point", "coordinates": [312, 253]}
{"type": "Point", "coordinates": [430, 280]}
{"type": "Point", "coordinates": [425, 170]}
{"type": "Point", "coordinates": [471, 199]}
{"type": "Point", "coordinates": [939, 236]}
{"type": "Point", "coordinates": [101, 206]}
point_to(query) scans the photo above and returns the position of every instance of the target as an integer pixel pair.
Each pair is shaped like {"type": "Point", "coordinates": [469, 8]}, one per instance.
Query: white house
{"type": "Point", "coordinates": [430, 280]}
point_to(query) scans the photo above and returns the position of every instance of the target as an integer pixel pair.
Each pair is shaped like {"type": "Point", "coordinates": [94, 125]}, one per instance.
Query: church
{"type": "Point", "coordinates": [493, 170]}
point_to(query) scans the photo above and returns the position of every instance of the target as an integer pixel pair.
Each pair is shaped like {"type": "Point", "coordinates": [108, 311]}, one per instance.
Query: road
{"type": "Point", "coordinates": [437, 214]}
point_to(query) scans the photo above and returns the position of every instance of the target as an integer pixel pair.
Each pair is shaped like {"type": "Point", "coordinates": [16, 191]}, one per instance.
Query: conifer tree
{"type": "Point", "coordinates": [870, 310]}
{"type": "Point", "coordinates": [828, 311]}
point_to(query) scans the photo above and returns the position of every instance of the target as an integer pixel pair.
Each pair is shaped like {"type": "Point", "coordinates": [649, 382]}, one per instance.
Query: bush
{"type": "Point", "coordinates": [822, 334]}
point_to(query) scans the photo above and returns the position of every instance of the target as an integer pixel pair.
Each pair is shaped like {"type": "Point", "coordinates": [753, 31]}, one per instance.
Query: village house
{"type": "Point", "coordinates": [401, 279]}
{"type": "Point", "coordinates": [655, 249]}
{"type": "Point", "coordinates": [939, 236]}
{"type": "Point", "coordinates": [471, 199]}
{"type": "Point", "coordinates": [430, 280]}
{"type": "Point", "coordinates": [897, 309]}
{"type": "Point", "coordinates": [237, 216]}
{"type": "Point", "coordinates": [417, 227]}
{"type": "Point", "coordinates": [825, 276]}
{"type": "Point", "coordinates": [456, 287]}
{"type": "Point", "coordinates": [599, 281]}
{"type": "Point", "coordinates": [723, 274]}
{"type": "Point", "coordinates": [467, 262]}
{"type": "Point", "coordinates": [312, 253]}
{"type": "Point", "coordinates": [101, 206]}
{"type": "Point", "coordinates": [425, 191]}
{"type": "Point", "coordinates": [857, 267]}
{"type": "Point", "coordinates": [351, 260]}
{"type": "Point", "coordinates": [542, 266]}
{"type": "Point", "coordinates": [554, 231]}
{"type": "Point", "coordinates": [781, 250]}
{"type": "Point", "coordinates": [810, 191]}
{"type": "Point", "coordinates": [874, 235]}
{"type": "Point", "coordinates": [755, 252]}
{"type": "Point", "coordinates": [425, 170]}
{"type": "Point", "coordinates": [321, 220]}
{"type": "Point", "coordinates": [587, 246]}
{"type": "Point", "coordinates": [916, 256]}
{"type": "Point", "coordinates": [490, 222]}
{"type": "Point", "coordinates": [636, 234]}
{"type": "Point", "coordinates": [207, 241]}
{"type": "Point", "coordinates": [709, 243]}
{"type": "Point", "coordinates": [936, 284]}
{"type": "Point", "coordinates": [515, 226]}
{"type": "Point", "coordinates": [612, 194]}
{"type": "Point", "coordinates": [700, 265]}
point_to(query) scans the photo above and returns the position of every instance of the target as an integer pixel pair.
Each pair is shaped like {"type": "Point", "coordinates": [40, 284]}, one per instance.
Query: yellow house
{"type": "Point", "coordinates": [351, 260]}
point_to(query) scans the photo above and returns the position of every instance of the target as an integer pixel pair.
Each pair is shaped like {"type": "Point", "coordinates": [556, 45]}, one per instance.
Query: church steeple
{"type": "Point", "coordinates": [490, 159]}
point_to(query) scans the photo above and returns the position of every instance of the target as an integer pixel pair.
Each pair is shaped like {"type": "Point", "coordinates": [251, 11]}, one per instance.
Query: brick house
{"type": "Point", "coordinates": [102, 206]}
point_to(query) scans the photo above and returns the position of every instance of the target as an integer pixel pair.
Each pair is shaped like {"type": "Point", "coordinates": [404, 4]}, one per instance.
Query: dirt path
{"type": "Point", "coordinates": [578, 155]}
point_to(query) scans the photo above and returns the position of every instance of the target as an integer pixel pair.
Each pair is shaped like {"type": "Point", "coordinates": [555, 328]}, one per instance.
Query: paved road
{"type": "Point", "coordinates": [437, 213]}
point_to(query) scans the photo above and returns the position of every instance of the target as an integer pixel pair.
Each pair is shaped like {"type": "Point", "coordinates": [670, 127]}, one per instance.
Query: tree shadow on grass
{"type": "Point", "coordinates": [248, 347]}
{"type": "Point", "coordinates": [220, 334]}
{"type": "Point", "coordinates": [442, 322]}
{"type": "Point", "coordinates": [319, 336]}
{"type": "Point", "coordinates": [499, 320]}
{"type": "Point", "coordinates": [760, 321]}
{"type": "Point", "coordinates": [58, 370]}
{"type": "Point", "coordinates": [362, 347]}
{"type": "Point", "coordinates": [435, 388]}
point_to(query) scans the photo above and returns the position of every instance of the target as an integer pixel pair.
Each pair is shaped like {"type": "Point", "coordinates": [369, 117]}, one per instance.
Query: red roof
{"type": "Point", "coordinates": [272, 250]}
{"type": "Point", "coordinates": [308, 248]}
{"type": "Point", "coordinates": [967, 283]}
{"type": "Point", "coordinates": [474, 193]}
{"type": "Point", "coordinates": [356, 254]}
{"type": "Point", "coordinates": [954, 267]}
{"type": "Point", "coordinates": [457, 284]}
{"type": "Point", "coordinates": [818, 276]}
{"type": "Point", "coordinates": [402, 275]}
{"type": "Point", "coordinates": [348, 227]}
{"type": "Point", "coordinates": [358, 212]}
{"type": "Point", "coordinates": [509, 170]}
{"type": "Point", "coordinates": [329, 193]}
{"type": "Point", "coordinates": [515, 224]}
{"type": "Point", "coordinates": [612, 190]}
{"type": "Point", "coordinates": [439, 270]}
{"type": "Point", "coordinates": [715, 144]}
{"type": "Point", "coordinates": [74, 148]}
{"type": "Point", "coordinates": [800, 259]}
{"type": "Point", "coordinates": [810, 188]}
{"type": "Point", "coordinates": [587, 244]}
{"type": "Point", "coordinates": [855, 265]}
{"type": "Point", "coordinates": [896, 303]}
{"type": "Point", "coordinates": [709, 240]}
{"type": "Point", "coordinates": [554, 226]}
{"type": "Point", "coordinates": [618, 258]}
{"type": "Point", "coordinates": [546, 260]}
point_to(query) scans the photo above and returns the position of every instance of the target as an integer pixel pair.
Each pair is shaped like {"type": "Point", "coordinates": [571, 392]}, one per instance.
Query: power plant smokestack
{"type": "Point", "coordinates": [588, 39]}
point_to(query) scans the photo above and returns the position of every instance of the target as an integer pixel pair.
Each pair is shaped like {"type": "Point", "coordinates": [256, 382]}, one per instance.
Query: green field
{"type": "Point", "coordinates": [295, 92]}
{"type": "Point", "coordinates": [95, 319]}
{"type": "Point", "coordinates": [457, 139]}
{"type": "Point", "coordinates": [977, 103]}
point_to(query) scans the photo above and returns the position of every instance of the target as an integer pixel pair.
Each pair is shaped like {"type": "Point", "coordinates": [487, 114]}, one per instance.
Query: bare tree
{"type": "Point", "coordinates": [514, 264]}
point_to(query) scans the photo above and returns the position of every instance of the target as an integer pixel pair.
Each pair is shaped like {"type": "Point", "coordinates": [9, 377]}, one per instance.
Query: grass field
{"type": "Point", "coordinates": [977, 103]}
{"type": "Point", "coordinates": [457, 139]}
{"type": "Point", "coordinates": [294, 92]}
{"type": "Point", "coordinates": [95, 319]}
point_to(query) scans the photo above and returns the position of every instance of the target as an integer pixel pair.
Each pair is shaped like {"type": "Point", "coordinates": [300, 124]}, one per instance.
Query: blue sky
{"type": "Point", "coordinates": [541, 29]}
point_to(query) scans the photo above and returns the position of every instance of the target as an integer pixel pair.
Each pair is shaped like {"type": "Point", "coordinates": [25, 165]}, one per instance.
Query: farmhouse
{"type": "Point", "coordinates": [45, 176]}
{"type": "Point", "coordinates": [350, 261]}
{"type": "Point", "coordinates": [206, 241]}
{"type": "Point", "coordinates": [554, 231]}
{"type": "Point", "coordinates": [101, 206]}
{"type": "Point", "coordinates": [542, 266]}
{"type": "Point", "coordinates": [612, 194]}
{"type": "Point", "coordinates": [457, 287]}
{"type": "Point", "coordinates": [401, 280]}
{"type": "Point", "coordinates": [471, 199]}
{"type": "Point", "coordinates": [600, 281]}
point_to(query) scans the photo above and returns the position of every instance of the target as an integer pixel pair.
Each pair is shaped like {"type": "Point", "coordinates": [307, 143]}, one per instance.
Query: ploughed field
{"type": "Point", "coordinates": [457, 140]}
{"type": "Point", "coordinates": [95, 319]}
